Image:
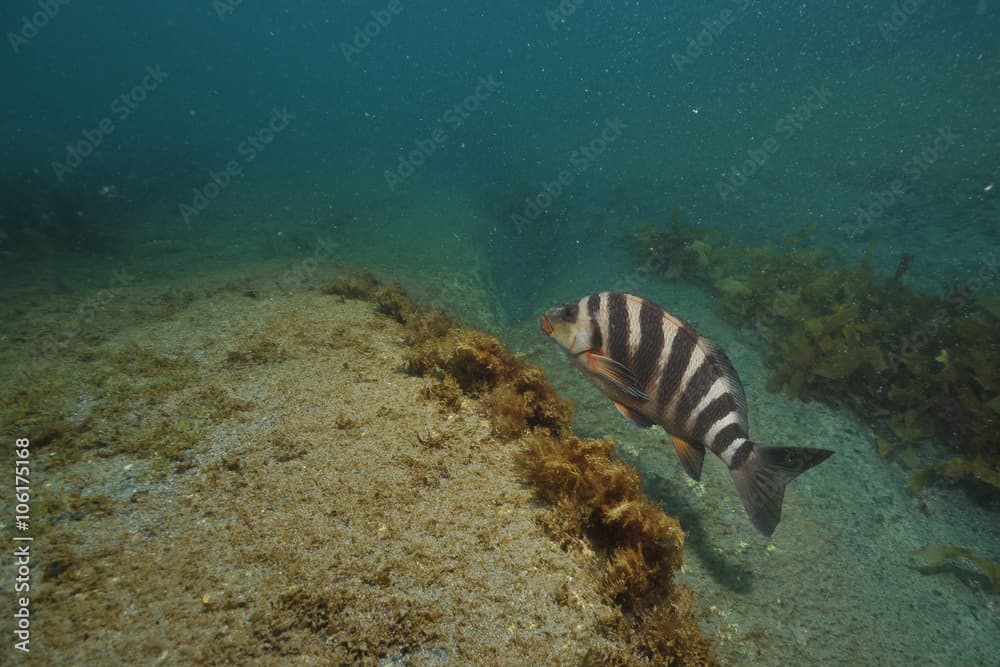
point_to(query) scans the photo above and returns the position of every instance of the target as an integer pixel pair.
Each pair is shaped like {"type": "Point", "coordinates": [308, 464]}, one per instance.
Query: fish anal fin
{"type": "Point", "coordinates": [692, 456]}
{"type": "Point", "coordinates": [628, 413]}
{"type": "Point", "coordinates": [617, 375]}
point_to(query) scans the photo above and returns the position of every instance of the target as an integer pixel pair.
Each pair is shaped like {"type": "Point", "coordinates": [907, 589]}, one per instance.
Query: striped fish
{"type": "Point", "coordinates": [658, 370]}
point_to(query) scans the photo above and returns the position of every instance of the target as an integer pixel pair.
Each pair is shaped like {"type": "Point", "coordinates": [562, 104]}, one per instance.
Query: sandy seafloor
{"type": "Point", "coordinates": [325, 511]}
{"type": "Point", "coordinates": [312, 420]}
{"type": "Point", "coordinates": [836, 584]}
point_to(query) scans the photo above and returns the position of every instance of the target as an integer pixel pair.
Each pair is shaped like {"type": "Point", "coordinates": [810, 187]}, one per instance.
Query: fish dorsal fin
{"type": "Point", "coordinates": [728, 373]}
{"type": "Point", "coordinates": [617, 375]}
{"type": "Point", "coordinates": [692, 456]}
{"type": "Point", "coordinates": [628, 413]}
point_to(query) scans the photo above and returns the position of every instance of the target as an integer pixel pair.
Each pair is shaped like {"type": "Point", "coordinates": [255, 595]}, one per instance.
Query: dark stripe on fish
{"type": "Point", "coordinates": [725, 437]}
{"type": "Point", "coordinates": [695, 390]}
{"type": "Point", "coordinates": [570, 312]}
{"type": "Point", "coordinates": [677, 363]}
{"type": "Point", "coordinates": [650, 343]}
{"type": "Point", "coordinates": [593, 309]}
{"type": "Point", "coordinates": [713, 412]}
{"type": "Point", "coordinates": [594, 304]}
{"type": "Point", "coordinates": [618, 328]}
{"type": "Point", "coordinates": [741, 454]}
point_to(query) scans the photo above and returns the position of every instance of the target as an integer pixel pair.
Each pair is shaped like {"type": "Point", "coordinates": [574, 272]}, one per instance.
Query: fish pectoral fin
{"type": "Point", "coordinates": [620, 377]}
{"type": "Point", "coordinates": [628, 413]}
{"type": "Point", "coordinates": [692, 456]}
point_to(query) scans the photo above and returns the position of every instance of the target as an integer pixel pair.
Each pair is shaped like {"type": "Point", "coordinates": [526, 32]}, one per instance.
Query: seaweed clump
{"type": "Point", "coordinates": [937, 554]}
{"type": "Point", "coordinates": [257, 353]}
{"type": "Point", "coordinates": [517, 395]}
{"type": "Point", "coordinates": [601, 498]}
{"type": "Point", "coordinates": [463, 362]}
{"type": "Point", "coordinates": [361, 287]}
{"type": "Point", "coordinates": [845, 335]}
{"type": "Point", "coordinates": [597, 502]}
{"type": "Point", "coordinates": [639, 546]}
{"type": "Point", "coordinates": [393, 301]}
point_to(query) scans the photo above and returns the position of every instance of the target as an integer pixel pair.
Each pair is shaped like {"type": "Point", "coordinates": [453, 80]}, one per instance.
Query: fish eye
{"type": "Point", "coordinates": [569, 312]}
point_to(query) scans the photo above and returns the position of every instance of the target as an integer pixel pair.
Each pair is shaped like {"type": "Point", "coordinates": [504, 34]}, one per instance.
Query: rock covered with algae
{"type": "Point", "coordinates": [334, 477]}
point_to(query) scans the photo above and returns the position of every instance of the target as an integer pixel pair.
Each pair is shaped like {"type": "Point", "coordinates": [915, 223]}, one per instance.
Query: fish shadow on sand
{"type": "Point", "coordinates": [720, 566]}
{"type": "Point", "coordinates": [962, 572]}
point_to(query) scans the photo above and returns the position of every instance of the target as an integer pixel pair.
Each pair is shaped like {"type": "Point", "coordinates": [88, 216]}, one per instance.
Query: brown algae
{"type": "Point", "coordinates": [336, 481]}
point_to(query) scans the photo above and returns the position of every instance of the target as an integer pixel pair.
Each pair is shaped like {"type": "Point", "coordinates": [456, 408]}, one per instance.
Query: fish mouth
{"type": "Point", "coordinates": [545, 325]}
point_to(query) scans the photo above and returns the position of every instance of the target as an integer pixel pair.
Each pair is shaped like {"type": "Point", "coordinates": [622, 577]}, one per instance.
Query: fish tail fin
{"type": "Point", "coordinates": [761, 478]}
